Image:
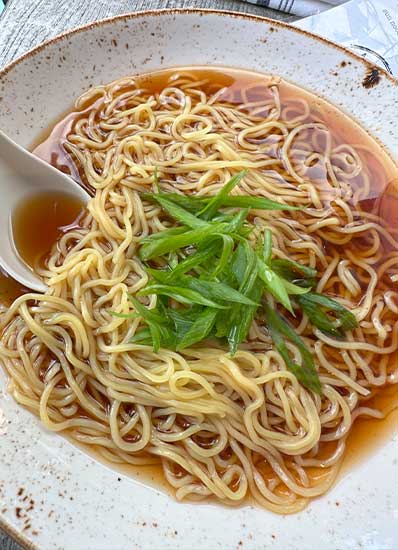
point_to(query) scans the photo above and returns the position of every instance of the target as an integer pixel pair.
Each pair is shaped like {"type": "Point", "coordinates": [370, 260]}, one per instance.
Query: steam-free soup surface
{"type": "Point", "coordinates": [38, 221]}
{"type": "Point", "coordinates": [255, 122]}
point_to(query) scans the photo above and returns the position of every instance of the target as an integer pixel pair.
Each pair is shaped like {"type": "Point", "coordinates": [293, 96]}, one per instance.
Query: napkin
{"type": "Point", "coordinates": [368, 27]}
{"type": "Point", "coordinates": [302, 8]}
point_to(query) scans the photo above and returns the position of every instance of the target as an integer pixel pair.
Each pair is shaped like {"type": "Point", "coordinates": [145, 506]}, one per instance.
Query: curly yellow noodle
{"type": "Point", "coordinates": [220, 426]}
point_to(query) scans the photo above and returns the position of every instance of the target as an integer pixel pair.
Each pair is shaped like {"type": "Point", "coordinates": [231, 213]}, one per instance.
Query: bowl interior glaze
{"type": "Point", "coordinates": [78, 502]}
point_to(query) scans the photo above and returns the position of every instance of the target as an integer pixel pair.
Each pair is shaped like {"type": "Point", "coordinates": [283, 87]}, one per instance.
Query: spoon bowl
{"type": "Point", "coordinates": [22, 174]}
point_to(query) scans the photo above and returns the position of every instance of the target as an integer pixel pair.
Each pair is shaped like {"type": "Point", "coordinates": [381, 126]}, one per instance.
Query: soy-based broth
{"type": "Point", "coordinates": [40, 220]}
{"type": "Point", "coordinates": [37, 223]}
{"type": "Point", "coordinates": [335, 169]}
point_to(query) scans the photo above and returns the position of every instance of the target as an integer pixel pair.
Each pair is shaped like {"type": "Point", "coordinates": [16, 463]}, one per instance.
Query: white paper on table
{"type": "Point", "coordinates": [368, 27]}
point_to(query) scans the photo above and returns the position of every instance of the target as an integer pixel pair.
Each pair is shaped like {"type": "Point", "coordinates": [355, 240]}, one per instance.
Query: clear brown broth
{"type": "Point", "coordinates": [40, 220]}
{"type": "Point", "coordinates": [37, 224]}
{"type": "Point", "coordinates": [368, 433]}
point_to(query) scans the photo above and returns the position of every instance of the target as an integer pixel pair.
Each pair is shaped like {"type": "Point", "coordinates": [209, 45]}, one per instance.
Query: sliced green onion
{"type": "Point", "coordinates": [179, 294]}
{"type": "Point", "coordinates": [157, 247]}
{"type": "Point", "coordinates": [219, 279]}
{"type": "Point", "coordinates": [199, 329]}
{"type": "Point", "coordinates": [274, 284]}
{"type": "Point", "coordinates": [326, 314]}
{"type": "Point", "coordinates": [306, 374]}
{"type": "Point", "coordinates": [215, 202]}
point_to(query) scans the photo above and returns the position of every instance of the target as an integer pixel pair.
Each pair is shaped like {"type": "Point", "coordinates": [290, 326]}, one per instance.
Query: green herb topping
{"type": "Point", "coordinates": [213, 281]}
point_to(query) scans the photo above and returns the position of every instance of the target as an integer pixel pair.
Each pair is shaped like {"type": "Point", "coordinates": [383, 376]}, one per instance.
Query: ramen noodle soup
{"type": "Point", "coordinates": [226, 307]}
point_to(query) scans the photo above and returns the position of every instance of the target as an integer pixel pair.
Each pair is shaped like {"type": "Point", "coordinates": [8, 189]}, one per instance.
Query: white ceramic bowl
{"type": "Point", "coordinates": [74, 502]}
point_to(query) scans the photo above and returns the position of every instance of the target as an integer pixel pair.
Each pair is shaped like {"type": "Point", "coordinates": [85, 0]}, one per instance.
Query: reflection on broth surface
{"type": "Point", "coordinates": [217, 425]}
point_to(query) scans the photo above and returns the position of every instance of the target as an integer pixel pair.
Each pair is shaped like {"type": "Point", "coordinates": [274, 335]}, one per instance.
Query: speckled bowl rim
{"type": "Point", "coordinates": [188, 11]}
{"type": "Point", "coordinates": [18, 536]}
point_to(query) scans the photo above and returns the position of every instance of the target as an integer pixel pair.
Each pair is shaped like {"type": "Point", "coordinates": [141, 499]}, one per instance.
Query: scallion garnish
{"type": "Point", "coordinates": [214, 282]}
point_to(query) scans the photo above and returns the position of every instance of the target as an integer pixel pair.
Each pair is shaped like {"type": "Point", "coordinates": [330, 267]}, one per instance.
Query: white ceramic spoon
{"type": "Point", "coordinates": [23, 174]}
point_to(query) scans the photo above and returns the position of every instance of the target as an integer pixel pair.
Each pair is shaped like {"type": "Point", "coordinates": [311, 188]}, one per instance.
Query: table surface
{"type": "Point", "coordinates": [26, 23]}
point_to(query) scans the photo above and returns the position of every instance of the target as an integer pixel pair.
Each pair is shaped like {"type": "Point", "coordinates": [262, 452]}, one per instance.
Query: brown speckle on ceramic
{"type": "Point", "coordinates": [372, 78]}
{"type": "Point", "coordinates": [75, 498]}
